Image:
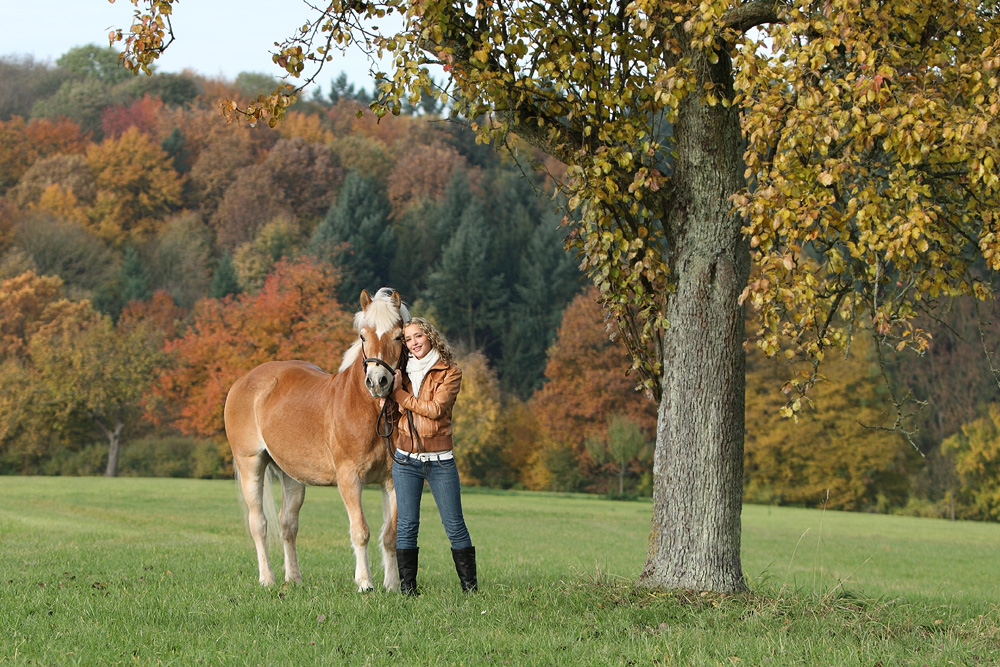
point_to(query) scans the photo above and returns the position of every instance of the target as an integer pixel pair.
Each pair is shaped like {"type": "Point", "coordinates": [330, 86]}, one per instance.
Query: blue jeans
{"type": "Point", "coordinates": [408, 475]}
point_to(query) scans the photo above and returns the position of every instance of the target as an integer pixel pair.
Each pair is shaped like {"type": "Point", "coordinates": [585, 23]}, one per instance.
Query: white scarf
{"type": "Point", "coordinates": [416, 369]}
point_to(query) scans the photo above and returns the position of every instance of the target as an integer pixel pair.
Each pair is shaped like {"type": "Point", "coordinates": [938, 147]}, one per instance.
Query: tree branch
{"type": "Point", "coordinates": [755, 13]}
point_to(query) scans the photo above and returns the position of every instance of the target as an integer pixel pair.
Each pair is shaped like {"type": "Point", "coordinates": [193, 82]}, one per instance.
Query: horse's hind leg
{"type": "Point", "coordinates": [350, 490]}
{"type": "Point", "coordinates": [388, 536]}
{"type": "Point", "coordinates": [293, 492]}
{"type": "Point", "coordinates": [251, 475]}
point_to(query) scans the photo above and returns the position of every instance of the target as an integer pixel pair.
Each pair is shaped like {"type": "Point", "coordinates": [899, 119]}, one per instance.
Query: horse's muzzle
{"type": "Point", "coordinates": [378, 382]}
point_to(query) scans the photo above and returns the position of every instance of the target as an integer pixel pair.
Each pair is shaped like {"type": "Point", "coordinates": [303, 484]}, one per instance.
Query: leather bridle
{"type": "Point", "coordinates": [385, 426]}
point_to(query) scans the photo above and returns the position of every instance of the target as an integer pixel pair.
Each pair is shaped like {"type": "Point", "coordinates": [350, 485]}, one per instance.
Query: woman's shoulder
{"type": "Point", "coordinates": [448, 367]}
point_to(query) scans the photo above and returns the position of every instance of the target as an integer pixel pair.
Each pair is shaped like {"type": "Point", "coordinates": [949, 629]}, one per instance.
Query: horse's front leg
{"type": "Point", "coordinates": [388, 536]}
{"type": "Point", "coordinates": [293, 493]}
{"type": "Point", "coordinates": [350, 490]}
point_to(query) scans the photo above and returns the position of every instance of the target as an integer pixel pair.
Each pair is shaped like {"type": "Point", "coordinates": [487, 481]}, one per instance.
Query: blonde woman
{"type": "Point", "coordinates": [426, 395]}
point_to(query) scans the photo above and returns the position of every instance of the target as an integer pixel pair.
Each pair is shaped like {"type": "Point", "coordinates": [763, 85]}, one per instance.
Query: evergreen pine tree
{"type": "Point", "coordinates": [136, 281]}
{"type": "Point", "coordinates": [547, 280]}
{"type": "Point", "coordinates": [174, 146]}
{"type": "Point", "coordinates": [457, 196]}
{"type": "Point", "coordinates": [465, 291]}
{"type": "Point", "coordinates": [355, 236]}
{"type": "Point", "coordinates": [341, 88]}
{"type": "Point", "coordinates": [224, 280]}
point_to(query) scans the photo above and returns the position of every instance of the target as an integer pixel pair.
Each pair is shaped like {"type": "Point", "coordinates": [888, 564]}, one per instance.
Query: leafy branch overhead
{"type": "Point", "coordinates": [870, 162]}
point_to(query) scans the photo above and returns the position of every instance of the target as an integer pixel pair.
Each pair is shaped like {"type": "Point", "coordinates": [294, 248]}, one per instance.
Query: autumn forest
{"type": "Point", "coordinates": [151, 253]}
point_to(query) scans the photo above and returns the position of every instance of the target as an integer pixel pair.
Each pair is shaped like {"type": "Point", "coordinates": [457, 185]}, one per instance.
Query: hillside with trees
{"type": "Point", "coordinates": [150, 253]}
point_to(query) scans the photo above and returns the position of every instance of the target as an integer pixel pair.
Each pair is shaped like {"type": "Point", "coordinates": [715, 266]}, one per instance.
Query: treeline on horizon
{"type": "Point", "coordinates": [150, 254]}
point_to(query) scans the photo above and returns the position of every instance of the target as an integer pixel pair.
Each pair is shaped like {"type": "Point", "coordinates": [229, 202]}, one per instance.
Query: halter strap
{"type": "Point", "coordinates": [367, 359]}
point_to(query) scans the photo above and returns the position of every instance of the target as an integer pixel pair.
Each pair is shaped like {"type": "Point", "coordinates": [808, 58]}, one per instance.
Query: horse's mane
{"type": "Point", "coordinates": [381, 315]}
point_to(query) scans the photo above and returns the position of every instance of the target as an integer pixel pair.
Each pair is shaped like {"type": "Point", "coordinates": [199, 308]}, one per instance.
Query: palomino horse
{"type": "Point", "coordinates": [314, 428]}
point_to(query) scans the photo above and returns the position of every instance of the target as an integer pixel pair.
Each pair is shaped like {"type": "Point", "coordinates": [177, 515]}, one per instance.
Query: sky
{"type": "Point", "coordinates": [213, 37]}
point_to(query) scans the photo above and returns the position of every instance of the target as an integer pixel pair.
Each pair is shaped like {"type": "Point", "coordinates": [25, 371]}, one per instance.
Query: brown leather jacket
{"type": "Point", "coordinates": [431, 410]}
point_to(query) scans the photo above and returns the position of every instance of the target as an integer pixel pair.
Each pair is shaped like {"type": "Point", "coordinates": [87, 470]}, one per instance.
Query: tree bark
{"type": "Point", "coordinates": [698, 462]}
{"type": "Point", "coordinates": [114, 447]}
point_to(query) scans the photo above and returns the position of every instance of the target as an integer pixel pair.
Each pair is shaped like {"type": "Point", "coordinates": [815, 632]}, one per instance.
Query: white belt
{"type": "Point", "coordinates": [428, 456]}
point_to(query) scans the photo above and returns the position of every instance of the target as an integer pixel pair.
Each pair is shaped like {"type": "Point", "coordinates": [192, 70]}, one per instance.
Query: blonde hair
{"type": "Point", "coordinates": [437, 340]}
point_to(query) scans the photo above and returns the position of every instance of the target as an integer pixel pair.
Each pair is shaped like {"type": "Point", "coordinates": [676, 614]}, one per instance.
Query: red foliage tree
{"type": "Point", "coordinates": [294, 316]}
{"type": "Point", "coordinates": [143, 114]}
{"type": "Point", "coordinates": [159, 313]}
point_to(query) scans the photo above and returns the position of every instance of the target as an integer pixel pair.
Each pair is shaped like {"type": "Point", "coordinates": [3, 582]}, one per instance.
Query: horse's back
{"type": "Point", "coordinates": [279, 407]}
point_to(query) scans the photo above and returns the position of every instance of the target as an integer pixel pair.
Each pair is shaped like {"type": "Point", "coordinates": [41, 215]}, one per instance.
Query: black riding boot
{"type": "Point", "coordinates": [465, 565]}
{"type": "Point", "coordinates": [407, 560]}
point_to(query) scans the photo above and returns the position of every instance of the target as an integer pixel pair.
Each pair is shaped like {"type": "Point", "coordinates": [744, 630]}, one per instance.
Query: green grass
{"type": "Point", "coordinates": [161, 571]}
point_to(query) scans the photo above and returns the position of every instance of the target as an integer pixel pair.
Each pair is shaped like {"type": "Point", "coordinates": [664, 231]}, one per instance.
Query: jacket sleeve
{"type": "Point", "coordinates": [440, 402]}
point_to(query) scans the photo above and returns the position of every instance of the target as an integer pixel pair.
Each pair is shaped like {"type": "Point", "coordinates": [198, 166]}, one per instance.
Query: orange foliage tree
{"type": "Point", "coordinates": [585, 385]}
{"type": "Point", "coordinates": [29, 302]}
{"type": "Point", "coordinates": [135, 186]}
{"type": "Point", "coordinates": [55, 136]}
{"type": "Point", "coordinates": [69, 172]}
{"type": "Point", "coordinates": [834, 456]}
{"type": "Point", "coordinates": [294, 316]}
{"type": "Point", "coordinates": [16, 153]}
{"type": "Point", "coordinates": [305, 126]}
{"type": "Point", "coordinates": [22, 143]}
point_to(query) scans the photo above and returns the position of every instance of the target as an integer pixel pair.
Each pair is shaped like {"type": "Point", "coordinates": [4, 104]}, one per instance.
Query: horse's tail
{"type": "Point", "coordinates": [271, 476]}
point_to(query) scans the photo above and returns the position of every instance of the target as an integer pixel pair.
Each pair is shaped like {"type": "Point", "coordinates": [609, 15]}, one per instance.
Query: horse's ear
{"type": "Point", "coordinates": [395, 299]}
{"type": "Point", "coordinates": [365, 299]}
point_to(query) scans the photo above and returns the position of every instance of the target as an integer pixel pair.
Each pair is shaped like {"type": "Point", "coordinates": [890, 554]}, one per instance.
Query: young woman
{"type": "Point", "coordinates": [426, 396]}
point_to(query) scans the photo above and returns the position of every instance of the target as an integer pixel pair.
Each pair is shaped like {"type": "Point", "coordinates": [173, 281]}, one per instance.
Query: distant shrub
{"type": "Point", "coordinates": [172, 456]}
{"type": "Point", "coordinates": [87, 461]}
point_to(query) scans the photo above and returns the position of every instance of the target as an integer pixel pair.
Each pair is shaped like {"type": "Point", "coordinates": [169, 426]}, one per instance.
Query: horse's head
{"type": "Point", "coordinates": [380, 331]}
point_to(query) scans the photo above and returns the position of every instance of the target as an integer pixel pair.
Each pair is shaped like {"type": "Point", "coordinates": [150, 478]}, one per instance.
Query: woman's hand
{"type": "Point", "coordinates": [397, 383]}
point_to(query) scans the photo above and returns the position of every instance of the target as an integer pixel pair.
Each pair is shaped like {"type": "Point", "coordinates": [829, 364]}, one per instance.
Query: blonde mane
{"type": "Point", "coordinates": [382, 315]}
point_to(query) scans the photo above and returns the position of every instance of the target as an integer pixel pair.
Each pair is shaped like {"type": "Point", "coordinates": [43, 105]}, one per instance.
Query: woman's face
{"type": "Point", "coordinates": [416, 341]}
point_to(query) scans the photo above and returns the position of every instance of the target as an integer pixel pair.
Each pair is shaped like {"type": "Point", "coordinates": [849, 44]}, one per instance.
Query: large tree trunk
{"type": "Point", "coordinates": [698, 463]}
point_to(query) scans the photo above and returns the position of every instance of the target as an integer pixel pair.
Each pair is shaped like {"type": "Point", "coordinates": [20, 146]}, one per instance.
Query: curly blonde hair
{"type": "Point", "coordinates": [437, 340]}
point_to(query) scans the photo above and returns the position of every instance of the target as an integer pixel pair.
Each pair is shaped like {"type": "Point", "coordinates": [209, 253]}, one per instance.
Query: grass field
{"type": "Point", "coordinates": [161, 571]}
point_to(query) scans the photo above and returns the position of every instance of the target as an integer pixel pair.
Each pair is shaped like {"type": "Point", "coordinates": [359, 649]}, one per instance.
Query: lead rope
{"type": "Point", "coordinates": [385, 426]}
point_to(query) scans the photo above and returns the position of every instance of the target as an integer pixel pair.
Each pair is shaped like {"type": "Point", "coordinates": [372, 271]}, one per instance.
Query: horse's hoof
{"type": "Point", "coordinates": [365, 589]}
